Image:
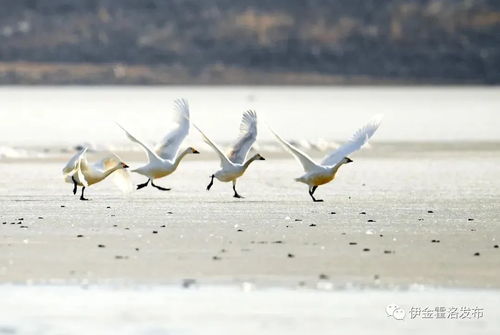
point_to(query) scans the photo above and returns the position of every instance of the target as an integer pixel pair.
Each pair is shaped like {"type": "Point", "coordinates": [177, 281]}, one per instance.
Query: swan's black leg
{"type": "Point", "coordinates": [211, 183]}
{"type": "Point", "coordinates": [159, 187]}
{"type": "Point", "coordinates": [143, 185]}
{"type": "Point", "coordinates": [82, 197]}
{"type": "Point", "coordinates": [236, 195]}
{"type": "Point", "coordinates": [311, 192]}
{"type": "Point", "coordinates": [74, 184]}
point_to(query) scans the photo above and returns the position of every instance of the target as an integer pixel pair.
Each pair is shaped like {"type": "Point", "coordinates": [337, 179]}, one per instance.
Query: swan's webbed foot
{"type": "Point", "coordinates": [211, 183]}
{"type": "Point", "coordinates": [159, 187]}
{"type": "Point", "coordinates": [143, 185]}
{"type": "Point", "coordinates": [82, 197]}
{"type": "Point", "coordinates": [236, 195]}
{"type": "Point", "coordinates": [311, 192]}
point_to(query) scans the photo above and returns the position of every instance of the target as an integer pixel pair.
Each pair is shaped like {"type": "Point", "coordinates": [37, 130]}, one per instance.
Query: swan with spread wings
{"type": "Point", "coordinates": [320, 174]}
{"type": "Point", "coordinates": [164, 159]}
{"type": "Point", "coordinates": [79, 172]}
{"type": "Point", "coordinates": [235, 164]}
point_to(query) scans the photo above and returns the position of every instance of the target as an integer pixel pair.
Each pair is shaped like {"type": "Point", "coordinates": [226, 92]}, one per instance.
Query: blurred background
{"type": "Point", "coordinates": [281, 42]}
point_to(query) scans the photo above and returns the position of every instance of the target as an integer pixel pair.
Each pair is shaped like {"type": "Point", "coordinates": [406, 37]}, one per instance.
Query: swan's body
{"type": "Point", "coordinates": [235, 164]}
{"type": "Point", "coordinates": [165, 158]}
{"type": "Point", "coordinates": [79, 172]}
{"type": "Point", "coordinates": [323, 173]}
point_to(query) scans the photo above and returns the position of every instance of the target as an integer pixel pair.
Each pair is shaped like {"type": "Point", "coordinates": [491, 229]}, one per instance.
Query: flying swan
{"type": "Point", "coordinates": [235, 164]}
{"type": "Point", "coordinates": [320, 174]}
{"type": "Point", "coordinates": [166, 157]}
{"type": "Point", "coordinates": [79, 172]}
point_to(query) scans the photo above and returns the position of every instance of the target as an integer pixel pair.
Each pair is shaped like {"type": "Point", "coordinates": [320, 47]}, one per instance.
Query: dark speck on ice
{"type": "Point", "coordinates": [187, 283]}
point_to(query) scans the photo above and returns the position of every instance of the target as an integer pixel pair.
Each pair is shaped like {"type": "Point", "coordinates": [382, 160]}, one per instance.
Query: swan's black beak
{"type": "Point", "coordinates": [261, 158]}
{"type": "Point", "coordinates": [349, 160]}
{"type": "Point", "coordinates": [195, 151]}
{"type": "Point", "coordinates": [125, 166]}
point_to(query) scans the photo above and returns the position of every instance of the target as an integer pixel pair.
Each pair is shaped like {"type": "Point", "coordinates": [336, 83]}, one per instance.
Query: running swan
{"type": "Point", "coordinates": [319, 174]}
{"type": "Point", "coordinates": [234, 165]}
{"type": "Point", "coordinates": [80, 173]}
{"type": "Point", "coordinates": [165, 158]}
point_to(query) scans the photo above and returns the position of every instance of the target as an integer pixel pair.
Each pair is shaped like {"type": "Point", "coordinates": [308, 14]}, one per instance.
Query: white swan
{"type": "Point", "coordinates": [79, 172]}
{"type": "Point", "coordinates": [165, 158]}
{"type": "Point", "coordinates": [319, 174]}
{"type": "Point", "coordinates": [235, 164]}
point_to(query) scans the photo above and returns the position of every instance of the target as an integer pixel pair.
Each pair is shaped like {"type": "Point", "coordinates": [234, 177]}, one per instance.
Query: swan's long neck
{"type": "Point", "coordinates": [180, 157]}
{"type": "Point", "coordinates": [336, 167]}
{"type": "Point", "coordinates": [110, 171]}
{"type": "Point", "coordinates": [247, 163]}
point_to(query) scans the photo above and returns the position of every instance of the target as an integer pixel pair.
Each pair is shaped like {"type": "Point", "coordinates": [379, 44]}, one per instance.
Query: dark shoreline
{"type": "Point", "coordinates": [117, 74]}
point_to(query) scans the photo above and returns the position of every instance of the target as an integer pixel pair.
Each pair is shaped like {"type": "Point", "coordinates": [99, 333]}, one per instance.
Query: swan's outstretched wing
{"type": "Point", "coordinates": [79, 166]}
{"type": "Point", "coordinates": [248, 135]}
{"type": "Point", "coordinates": [307, 163]}
{"type": "Point", "coordinates": [72, 164]}
{"type": "Point", "coordinates": [360, 138]}
{"type": "Point", "coordinates": [169, 146]}
{"type": "Point", "coordinates": [152, 157]}
{"type": "Point", "coordinates": [121, 178]}
{"type": "Point", "coordinates": [107, 163]}
{"type": "Point", "coordinates": [224, 161]}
